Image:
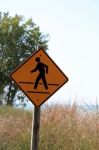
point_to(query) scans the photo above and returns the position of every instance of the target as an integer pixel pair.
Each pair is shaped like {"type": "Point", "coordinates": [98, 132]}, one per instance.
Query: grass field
{"type": "Point", "coordinates": [62, 128]}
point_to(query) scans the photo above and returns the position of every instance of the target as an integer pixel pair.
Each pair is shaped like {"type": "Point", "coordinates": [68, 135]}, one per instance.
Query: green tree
{"type": "Point", "coordinates": [18, 39]}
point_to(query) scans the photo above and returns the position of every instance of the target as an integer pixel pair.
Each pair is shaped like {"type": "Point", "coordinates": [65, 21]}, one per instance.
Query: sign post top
{"type": "Point", "coordinates": [39, 77]}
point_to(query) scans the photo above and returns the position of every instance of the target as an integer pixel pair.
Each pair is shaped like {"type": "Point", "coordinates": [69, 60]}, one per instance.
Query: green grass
{"type": "Point", "coordinates": [15, 129]}
{"type": "Point", "coordinates": [62, 128]}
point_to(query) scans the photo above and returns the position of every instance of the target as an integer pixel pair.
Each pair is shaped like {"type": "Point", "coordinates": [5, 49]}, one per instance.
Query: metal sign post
{"type": "Point", "coordinates": [39, 78]}
{"type": "Point", "coordinates": [35, 128]}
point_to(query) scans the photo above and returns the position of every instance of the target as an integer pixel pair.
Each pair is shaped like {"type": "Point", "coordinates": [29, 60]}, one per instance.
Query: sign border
{"type": "Point", "coordinates": [25, 62]}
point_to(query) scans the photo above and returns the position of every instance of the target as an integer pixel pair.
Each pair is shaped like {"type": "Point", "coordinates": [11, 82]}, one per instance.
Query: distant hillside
{"type": "Point", "coordinates": [62, 128]}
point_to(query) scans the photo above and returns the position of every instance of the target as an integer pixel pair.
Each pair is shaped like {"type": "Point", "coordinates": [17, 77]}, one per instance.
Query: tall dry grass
{"type": "Point", "coordinates": [62, 128]}
{"type": "Point", "coordinates": [69, 128]}
{"type": "Point", "coordinates": [15, 129]}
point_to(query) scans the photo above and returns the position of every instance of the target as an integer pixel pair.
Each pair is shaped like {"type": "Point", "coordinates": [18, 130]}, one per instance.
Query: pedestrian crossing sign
{"type": "Point", "coordinates": [39, 77]}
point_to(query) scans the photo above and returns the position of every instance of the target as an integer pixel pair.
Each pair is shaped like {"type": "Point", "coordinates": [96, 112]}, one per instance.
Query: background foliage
{"type": "Point", "coordinates": [18, 39]}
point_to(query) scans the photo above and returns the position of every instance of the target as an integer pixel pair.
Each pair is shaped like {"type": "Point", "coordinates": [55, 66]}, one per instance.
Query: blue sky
{"type": "Point", "coordinates": [73, 26]}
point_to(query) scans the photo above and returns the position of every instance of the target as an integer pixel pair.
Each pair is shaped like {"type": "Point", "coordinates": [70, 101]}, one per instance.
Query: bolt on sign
{"type": "Point", "coordinates": [39, 77]}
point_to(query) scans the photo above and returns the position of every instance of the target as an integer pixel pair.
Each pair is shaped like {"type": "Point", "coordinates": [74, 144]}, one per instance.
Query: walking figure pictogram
{"type": "Point", "coordinates": [43, 69]}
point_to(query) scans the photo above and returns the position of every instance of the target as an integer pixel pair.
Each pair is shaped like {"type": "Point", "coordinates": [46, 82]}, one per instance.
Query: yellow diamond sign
{"type": "Point", "coordinates": [39, 77]}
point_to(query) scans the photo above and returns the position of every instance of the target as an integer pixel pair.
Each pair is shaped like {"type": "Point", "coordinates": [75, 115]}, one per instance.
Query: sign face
{"type": "Point", "coordinates": [39, 77]}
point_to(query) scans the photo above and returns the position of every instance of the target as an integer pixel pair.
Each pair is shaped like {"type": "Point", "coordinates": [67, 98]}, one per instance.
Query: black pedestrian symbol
{"type": "Point", "coordinates": [43, 69]}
